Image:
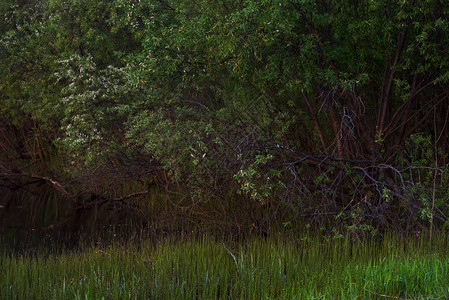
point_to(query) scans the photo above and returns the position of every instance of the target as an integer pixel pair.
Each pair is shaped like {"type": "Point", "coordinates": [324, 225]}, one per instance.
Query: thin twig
{"type": "Point", "coordinates": [388, 296]}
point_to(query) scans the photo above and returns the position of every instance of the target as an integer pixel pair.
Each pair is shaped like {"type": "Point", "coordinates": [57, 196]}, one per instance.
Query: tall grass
{"type": "Point", "coordinates": [272, 268]}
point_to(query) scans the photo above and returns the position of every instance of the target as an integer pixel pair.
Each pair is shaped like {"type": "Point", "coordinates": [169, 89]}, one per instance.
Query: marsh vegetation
{"type": "Point", "coordinates": [306, 267]}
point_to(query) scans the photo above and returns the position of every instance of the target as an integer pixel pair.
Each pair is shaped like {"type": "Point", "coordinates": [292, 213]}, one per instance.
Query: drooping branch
{"type": "Point", "coordinates": [46, 179]}
{"type": "Point", "coordinates": [131, 195]}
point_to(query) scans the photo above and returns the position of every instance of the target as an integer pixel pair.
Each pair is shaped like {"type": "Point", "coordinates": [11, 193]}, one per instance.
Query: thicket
{"type": "Point", "coordinates": [332, 110]}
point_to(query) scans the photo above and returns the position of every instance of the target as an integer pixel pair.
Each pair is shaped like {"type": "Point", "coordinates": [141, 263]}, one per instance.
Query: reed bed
{"type": "Point", "coordinates": [260, 268]}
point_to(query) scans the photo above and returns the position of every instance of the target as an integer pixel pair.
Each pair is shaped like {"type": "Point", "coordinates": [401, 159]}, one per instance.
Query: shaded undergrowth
{"type": "Point", "coordinates": [292, 267]}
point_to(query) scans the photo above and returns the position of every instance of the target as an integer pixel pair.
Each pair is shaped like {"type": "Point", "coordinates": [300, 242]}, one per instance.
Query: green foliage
{"type": "Point", "coordinates": [276, 99]}
{"type": "Point", "coordinates": [96, 104]}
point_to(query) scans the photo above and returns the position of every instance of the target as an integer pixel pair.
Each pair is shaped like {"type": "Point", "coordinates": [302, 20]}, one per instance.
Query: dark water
{"type": "Point", "coordinates": [42, 218]}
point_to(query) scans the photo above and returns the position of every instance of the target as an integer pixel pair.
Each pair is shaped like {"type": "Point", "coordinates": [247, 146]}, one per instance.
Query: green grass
{"type": "Point", "coordinates": [273, 268]}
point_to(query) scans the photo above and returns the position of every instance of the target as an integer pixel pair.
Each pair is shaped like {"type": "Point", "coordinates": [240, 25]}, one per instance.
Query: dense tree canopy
{"type": "Point", "coordinates": [312, 107]}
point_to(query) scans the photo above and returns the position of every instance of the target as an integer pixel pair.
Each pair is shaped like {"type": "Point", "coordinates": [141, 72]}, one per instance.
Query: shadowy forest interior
{"type": "Point", "coordinates": [143, 119]}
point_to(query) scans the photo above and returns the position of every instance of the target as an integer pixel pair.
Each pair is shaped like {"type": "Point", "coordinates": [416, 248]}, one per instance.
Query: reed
{"type": "Point", "coordinates": [259, 268]}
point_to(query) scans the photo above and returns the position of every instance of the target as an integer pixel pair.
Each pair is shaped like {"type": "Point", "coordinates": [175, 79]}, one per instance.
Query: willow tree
{"type": "Point", "coordinates": [313, 108]}
{"type": "Point", "coordinates": [338, 106]}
